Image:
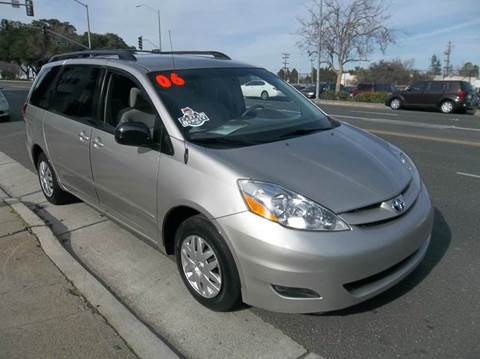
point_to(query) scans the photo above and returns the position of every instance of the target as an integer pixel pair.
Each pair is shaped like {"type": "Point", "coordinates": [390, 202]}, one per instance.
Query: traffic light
{"type": "Point", "coordinates": [140, 42]}
{"type": "Point", "coordinates": [29, 7]}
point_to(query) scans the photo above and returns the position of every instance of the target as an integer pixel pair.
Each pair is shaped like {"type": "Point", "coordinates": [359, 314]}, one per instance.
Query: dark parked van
{"type": "Point", "coordinates": [447, 96]}
{"type": "Point", "coordinates": [373, 87]}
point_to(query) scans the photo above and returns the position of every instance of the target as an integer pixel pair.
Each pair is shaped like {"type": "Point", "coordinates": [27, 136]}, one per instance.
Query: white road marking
{"type": "Point", "coordinates": [468, 174]}
{"type": "Point", "coordinates": [377, 113]}
{"type": "Point", "coordinates": [408, 123]}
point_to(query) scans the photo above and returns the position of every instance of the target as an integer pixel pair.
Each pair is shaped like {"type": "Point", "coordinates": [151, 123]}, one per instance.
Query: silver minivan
{"type": "Point", "coordinates": [264, 200]}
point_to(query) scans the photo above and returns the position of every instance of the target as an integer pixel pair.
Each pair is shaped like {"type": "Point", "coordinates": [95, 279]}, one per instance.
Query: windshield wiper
{"type": "Point", "coordinates": [302, 132]}
{"type": "Point", "coordinates": [221, 141]}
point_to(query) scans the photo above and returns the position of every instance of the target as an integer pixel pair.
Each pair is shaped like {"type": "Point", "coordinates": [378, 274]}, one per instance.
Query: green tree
{"type": "Point", "coordinates": [396, 71]}
{"type": "Point", "coordinates": [469, 70]}
{"type": "Point", "coordinates": [435, 65]}
{"type": "Point", "coordinates": [29, 46]}
{"type": "Point", "coordinates": [293, 77]}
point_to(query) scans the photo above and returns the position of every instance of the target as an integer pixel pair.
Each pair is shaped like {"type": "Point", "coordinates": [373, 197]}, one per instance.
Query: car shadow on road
{"type": "Point", "coordinates": [441, 238]}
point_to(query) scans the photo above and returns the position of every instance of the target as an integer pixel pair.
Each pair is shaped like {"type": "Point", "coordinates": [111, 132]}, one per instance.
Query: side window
{"type": "Point", "coordinates": [452, 86]}
{"type": "Point", "coordinates": [43, 89]}
{"type": "Point", "coordinates": [436, 86]}
{"type": "Point", "coordinates": [75, 92]}
{"type": "Point", "coordinates": [127, 102]}
{"type": "Point", "coordinates": [418, 86]}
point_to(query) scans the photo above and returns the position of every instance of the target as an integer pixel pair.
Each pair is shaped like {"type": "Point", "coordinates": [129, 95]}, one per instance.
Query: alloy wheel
{"type": "Point", "coordinates": [46, 178]}
{"type": "Point", "coordinates": [201, 266]}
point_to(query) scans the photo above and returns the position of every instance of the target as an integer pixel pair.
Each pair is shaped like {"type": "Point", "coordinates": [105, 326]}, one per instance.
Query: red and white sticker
{"type": "Point", "coordinates": [192, 118]}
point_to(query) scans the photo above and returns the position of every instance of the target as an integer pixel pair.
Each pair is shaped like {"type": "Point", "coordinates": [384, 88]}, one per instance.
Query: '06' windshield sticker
{"type": "Point", "coordinates": [192, 118]}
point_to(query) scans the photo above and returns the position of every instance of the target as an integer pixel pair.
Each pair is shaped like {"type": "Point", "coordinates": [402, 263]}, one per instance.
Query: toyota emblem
{"type": "Point", "coordinates": [398, 205]}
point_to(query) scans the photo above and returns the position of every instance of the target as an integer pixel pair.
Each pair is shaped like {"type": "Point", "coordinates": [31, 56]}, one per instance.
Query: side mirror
{"type": "Point", "coordinates": [133, 134]}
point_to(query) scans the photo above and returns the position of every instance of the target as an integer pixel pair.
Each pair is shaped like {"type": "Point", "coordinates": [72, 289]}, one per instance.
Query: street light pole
{"type": "Point", "coordinates": [88, 22]}
{"type": "Point", "coordinates": [319, 63]}
{"type": "Point", "coordinates": [159, 23]}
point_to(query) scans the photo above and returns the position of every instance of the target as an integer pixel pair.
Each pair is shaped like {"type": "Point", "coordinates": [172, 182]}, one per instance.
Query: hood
{"type": "Point", "coordinates": [342, 169]}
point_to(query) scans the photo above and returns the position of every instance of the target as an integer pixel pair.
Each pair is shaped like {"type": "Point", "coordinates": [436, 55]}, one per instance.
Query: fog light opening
{"type": "Point", "coordinates": [292, 292]}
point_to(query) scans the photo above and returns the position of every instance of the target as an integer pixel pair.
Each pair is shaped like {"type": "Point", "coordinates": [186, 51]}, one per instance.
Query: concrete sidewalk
{"type": "Point", "coordinates": [142, 279]}
{"type": "Point", "coordinates": [41, 314]}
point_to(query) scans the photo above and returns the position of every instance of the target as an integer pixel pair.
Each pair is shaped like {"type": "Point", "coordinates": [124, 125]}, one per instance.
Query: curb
{"type": "Point", "coordinates": [143, 342]}
{"type": "Point", "coordinates": [362, 104]}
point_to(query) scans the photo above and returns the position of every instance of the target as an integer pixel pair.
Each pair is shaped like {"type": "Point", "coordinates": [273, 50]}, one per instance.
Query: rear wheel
{"type": "Point", "coordinates": [49, 183]}
{"type": "Point", "coordinates": [264, 95]}
{"type": "Point", "coordinates": [446, 106]}
{"type": "Point", "coordinates": [395, 104]}
{"type": "Point", "coordinates": [206, 265]}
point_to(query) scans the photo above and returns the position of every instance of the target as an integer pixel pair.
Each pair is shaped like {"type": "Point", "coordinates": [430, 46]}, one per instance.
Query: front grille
{"type": "Point", "coordinates": [358, 285]}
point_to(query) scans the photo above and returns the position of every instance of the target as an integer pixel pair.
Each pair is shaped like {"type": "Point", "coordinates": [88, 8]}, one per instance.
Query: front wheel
{"type": "Point", "coordinates": [206, 265]}
{"type": "Point", "coordinates": [395, 104]}
{"type": "Point", "coordinates": [264, 95]}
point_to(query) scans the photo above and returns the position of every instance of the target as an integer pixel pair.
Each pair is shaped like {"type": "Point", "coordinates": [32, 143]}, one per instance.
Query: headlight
{"type": "Point", "coordinates": [288, 208]}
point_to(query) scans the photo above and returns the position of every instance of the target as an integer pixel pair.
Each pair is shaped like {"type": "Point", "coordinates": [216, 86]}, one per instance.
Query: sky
{"type": "Point", "coordinates": [259, 31]}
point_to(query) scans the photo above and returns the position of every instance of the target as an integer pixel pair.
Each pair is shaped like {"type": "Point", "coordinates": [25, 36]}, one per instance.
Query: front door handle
{"type": "Point", "coordinates": [97, 142]}
{"type": "Point", "coordinates": [83, 137]}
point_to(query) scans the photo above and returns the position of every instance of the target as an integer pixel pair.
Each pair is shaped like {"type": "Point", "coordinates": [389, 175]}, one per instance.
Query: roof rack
{"type": "Point", "coordinates": [128, 54]}
{"type": "Point", "coordinates": [216, 54]}
{"type": "Point", "coordinates": [123, 54]}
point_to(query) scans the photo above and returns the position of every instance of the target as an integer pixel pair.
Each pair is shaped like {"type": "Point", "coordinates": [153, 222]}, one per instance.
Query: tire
{"type": "Point", "coordinates": [49, 184]}
{"type": "Point", "coordinates": [447, 106]}
{"type": "Point", "coordinates": [264, 95]}
{"type": "Point", "coordinates": [395, 104]}
{"type": "Point", "coordinates": [224, 292]}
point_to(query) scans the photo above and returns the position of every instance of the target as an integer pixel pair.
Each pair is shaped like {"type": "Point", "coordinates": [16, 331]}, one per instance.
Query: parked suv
{"type": "Point", "coordinates": [266, 201]}
{"type": "Point", "coordinates": [447, 96]}
{"type": "Point", "coordinates": [373, 87]}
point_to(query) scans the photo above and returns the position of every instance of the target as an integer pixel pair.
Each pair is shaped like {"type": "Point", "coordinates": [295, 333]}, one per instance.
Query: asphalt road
{"type": "Point", "coordinates": [435, 312]}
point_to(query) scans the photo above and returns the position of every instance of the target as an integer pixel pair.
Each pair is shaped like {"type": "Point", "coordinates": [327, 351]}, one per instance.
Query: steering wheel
{"type": "Point", "coordinates": [251, 109]}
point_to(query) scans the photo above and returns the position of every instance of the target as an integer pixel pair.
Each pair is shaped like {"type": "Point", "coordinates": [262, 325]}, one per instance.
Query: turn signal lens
{"type": "Point", "coordinates": [258, 208]}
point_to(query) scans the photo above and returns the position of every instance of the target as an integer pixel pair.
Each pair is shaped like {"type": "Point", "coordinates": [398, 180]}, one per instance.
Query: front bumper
{"type": "Point", "coordinates": [344, 268]}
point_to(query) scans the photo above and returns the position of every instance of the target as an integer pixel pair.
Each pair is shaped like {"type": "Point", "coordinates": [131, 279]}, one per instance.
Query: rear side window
{"type": "Point", "coordinates": [453, 86]}
{"type": "Point", "coordinates": [436, 86]}
{"type": "Point", "coordinates": [44, 87]}
{"type": "Point", "coordinates": [75, 92]}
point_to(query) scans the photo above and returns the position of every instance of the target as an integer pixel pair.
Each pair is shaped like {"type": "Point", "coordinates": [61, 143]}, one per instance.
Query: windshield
{"type": "Point", "coordinates": [231, 107]}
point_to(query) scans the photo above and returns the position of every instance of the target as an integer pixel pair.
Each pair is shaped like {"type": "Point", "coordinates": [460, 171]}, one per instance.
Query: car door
{"type": "Point", "coordinates": [433, 93]}
{"type": "Point", "coordinates": [68, 127]}
{"type": "Point", "coordinates": [413, 96]}
{"type": "Point", "coordinates": [126, 176]}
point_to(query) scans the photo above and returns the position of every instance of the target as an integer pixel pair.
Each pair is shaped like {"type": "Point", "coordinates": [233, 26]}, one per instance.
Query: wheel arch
{"type": "Point", "coordinates": [35, 152]}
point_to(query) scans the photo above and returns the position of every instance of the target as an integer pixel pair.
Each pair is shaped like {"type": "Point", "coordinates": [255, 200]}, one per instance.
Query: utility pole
{"type": "Point", "coordinates": [285, 57]}
{"type": "Point", "coordinates": [159, 24]}
{"type": "Point", "coordinates": [447, 53]}
{"type": "Point", "coordinates": [88, 22]}
{"type": "Point", "coordinates": [319, 50]}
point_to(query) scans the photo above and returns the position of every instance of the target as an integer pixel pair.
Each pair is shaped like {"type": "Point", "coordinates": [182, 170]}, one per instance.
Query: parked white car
{"type": "Point", "coordinates": [259, 88]}
{"type": "Point", "coordinates": [4, 107]}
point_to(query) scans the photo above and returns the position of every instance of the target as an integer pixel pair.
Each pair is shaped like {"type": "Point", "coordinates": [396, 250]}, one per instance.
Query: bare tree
{"type": "Point", "coordinates": [348, 31]}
